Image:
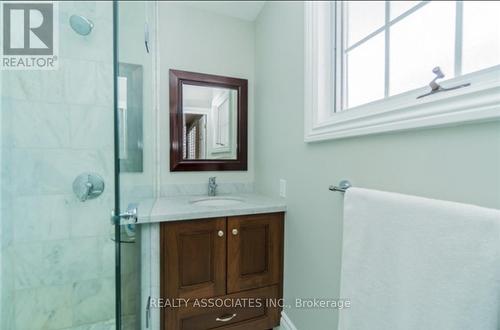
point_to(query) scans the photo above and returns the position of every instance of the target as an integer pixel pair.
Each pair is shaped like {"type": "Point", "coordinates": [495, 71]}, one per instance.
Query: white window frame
{"type": "Point", "coordinates": [216, 105]}
{"type": "Point", "coordinates": [478, 102]}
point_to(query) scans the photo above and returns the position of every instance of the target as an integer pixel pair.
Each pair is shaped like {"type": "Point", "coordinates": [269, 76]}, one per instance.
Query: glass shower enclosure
{"type": "Point", "coordinates": [76, 143]}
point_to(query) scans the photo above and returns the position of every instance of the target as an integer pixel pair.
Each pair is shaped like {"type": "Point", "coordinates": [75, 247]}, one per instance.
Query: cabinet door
{"type": "Point", "coordinates": [193, 258]}
{"type": "Point", "coordinates": [255, 251]}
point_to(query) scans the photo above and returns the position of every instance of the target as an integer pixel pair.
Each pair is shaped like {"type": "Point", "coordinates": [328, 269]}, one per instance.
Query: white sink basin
{"type": "Point", "coordinates": [217, 201]}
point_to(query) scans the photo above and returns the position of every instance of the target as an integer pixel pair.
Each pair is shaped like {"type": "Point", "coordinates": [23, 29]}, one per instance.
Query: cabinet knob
{"type": "Point", "coordinates": [235, 231]}
{"type": "Point", "coordinates": [220, 233]}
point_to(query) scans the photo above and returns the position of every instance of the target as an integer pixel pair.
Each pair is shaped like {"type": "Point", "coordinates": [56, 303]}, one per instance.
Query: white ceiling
{"type": "Point", "coordinates": [199, 96]}
{"type": "Point", "coordinates": [246, 10]}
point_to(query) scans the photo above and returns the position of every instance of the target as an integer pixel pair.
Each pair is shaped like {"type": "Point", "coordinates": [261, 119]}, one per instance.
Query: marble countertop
{"type": "Point", "coordinates": [181, 207]}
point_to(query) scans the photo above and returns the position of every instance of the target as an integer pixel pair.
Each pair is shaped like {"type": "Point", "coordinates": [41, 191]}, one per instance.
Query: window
{"type": "Point", "coordinates": [390, 47]}
{"type": "Point", "coordinates": [367, 59]}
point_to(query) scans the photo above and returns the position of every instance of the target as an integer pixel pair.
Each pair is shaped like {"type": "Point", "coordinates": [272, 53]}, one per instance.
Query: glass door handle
{"type": "Point", "coordinates": [127, 217]}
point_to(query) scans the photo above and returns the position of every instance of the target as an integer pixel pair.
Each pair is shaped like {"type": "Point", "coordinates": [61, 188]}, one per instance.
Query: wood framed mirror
{"type": "Point", "coordinates": [208, 122]}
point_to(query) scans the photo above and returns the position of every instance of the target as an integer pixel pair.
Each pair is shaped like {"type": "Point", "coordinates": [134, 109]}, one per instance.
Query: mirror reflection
{"type": "Point", "coordinates": [130, 113]}
{"type": "Point", "coordinates": [209, 122]}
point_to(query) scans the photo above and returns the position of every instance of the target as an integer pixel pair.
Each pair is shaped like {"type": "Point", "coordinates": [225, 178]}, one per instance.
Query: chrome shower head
{"type": "Point", "coordinates": [81, 25]}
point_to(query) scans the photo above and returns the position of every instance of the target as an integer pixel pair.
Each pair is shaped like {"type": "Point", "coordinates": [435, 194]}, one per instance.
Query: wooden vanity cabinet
{"type": "Point", "coordinates": [194, 258]}
{"type": "Point", "coordinates": [233, 258]}
{"type": "Point", "coordinates": [254, 251]}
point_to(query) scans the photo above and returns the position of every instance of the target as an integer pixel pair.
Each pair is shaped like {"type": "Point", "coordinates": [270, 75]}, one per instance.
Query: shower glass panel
{"type": "Point", "coordinates": [63, 265]}
{"type": "Point", "coordinates": [135, 122]}
{"type": "Point", "coordinates": [57, 257]}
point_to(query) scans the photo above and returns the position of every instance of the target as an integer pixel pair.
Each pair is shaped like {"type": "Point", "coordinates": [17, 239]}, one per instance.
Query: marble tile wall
{"type": "Point", "coordinates": [57, 258]}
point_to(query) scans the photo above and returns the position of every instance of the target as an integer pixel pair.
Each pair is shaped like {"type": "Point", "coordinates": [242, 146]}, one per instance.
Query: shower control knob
{"type": "Point", "coordinates": [88, 186]}
{"type": "Point", "coordinates": [235, 231]}
{"type": "Point", "coordinates": [220, 233]}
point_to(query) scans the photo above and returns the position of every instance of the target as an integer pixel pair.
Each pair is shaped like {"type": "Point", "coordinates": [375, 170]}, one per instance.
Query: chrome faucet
{"type": "Point", "coordinates": [212, 186]}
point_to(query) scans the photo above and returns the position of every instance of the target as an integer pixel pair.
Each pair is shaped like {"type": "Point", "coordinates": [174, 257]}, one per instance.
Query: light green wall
{"type": "Point", "coordinates": [200, 41]}
{"type": "Point", "coordinates": [456, 163]}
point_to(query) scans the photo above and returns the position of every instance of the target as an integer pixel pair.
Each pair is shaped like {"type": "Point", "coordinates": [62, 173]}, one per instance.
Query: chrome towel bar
{"type": "Point", "coordinates": [342, 187]}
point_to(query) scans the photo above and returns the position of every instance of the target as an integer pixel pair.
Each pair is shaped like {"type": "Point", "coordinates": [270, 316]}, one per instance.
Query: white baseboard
{"type": "Point", "coordinates": [286, 323]}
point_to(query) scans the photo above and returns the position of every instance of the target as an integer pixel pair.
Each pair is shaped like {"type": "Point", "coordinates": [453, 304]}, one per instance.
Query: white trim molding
{"type": "Point", "coordinates": [286, 323]}
{"type": "Point", "coordinates": [478, 102]}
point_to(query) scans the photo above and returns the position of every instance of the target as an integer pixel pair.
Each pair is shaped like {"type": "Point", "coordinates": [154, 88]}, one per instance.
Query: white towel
{"type": "Point", "coordinates": [411, 263]}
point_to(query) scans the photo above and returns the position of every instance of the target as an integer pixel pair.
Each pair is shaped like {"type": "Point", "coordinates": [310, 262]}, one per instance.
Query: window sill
{"type": "Point", "coordinates": [478, 102]}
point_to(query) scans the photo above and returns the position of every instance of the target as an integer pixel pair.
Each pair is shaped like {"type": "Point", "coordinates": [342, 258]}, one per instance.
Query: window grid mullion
{"type": "Point", "coordinates": [338, 56]}
{"type": "Point", "coordinates": [334, 56]}
{"type": "Point", "coordinates": [459, 21]}
{"type": "Point", "coordinates": [387, 48]}
{"type": "Point", "coordinates": [391, 22]}
{"type": "Point", "coordinates": [344, 59]}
